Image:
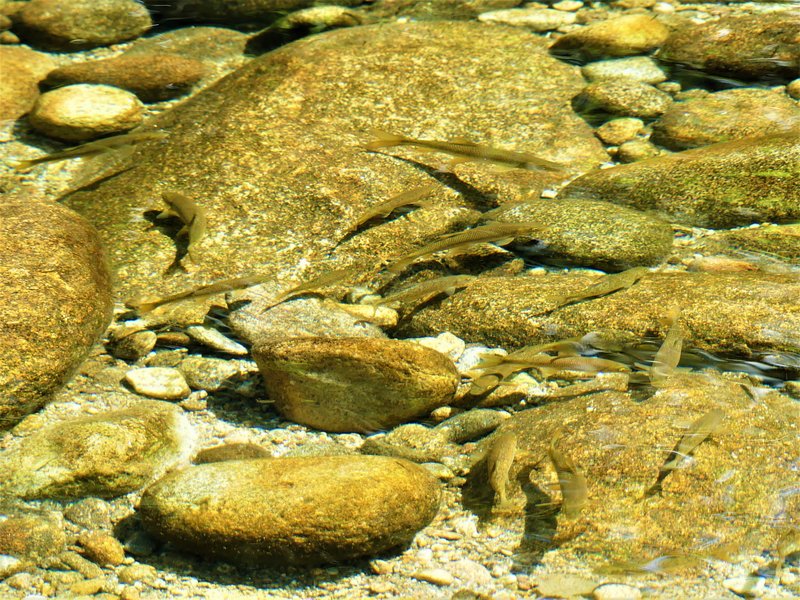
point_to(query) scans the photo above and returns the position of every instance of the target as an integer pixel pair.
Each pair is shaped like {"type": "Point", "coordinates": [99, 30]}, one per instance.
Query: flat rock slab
{"type": "Point", "coordinates": [302, 510]}
{"type": "Point", "coordinates": [274, 152]}
{"type": "Point", "coordinates": [732, 495]}
{"type": "Point", "coordinates": [105, 455]}
{"type": "Point", "coordinates": [723, 185]}
{"type": "Point", "coordinates": [55, 301]}
{"type": "Point", "coordinates": [723, 312]}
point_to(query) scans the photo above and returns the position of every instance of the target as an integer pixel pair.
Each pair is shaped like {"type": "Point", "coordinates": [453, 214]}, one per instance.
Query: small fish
{"type": "Point", "coordinates": [606, 285]}
{"type": "Point", "coordinates": [108, 144]}
{"type": "Point", "coordinates": [498, 233]}
{"type": "Point", "coordinates": [697, 433]}
{"type": "Point", "coordinates": [669, 354]}
{"type": "Point", "coordinates": [465, 151]}
{"type": "Point", "coordinates": [326, 279]}
{"type": "Point", "coordinates": [588, 364]}
{"type": "Point", "coordinates": [424, 291]}
{"type": "Point", "coordinates": [499, 459]}
{"type": "Point", "coordinates": [193, 217]}
{"type": "Point", "coordinates": [413, 196]}
{"type": "Point", "coordinates": [146, 304]}
{"type": "Point", "coordinates": [574, 488]}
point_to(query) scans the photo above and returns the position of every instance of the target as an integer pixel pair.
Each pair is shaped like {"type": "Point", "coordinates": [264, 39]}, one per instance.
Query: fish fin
{"type": "Point", "coordinates": [504, 241]}
{"type": "Point", "coordinates": [384, 139]}
{"type": "Point", "coordinates": [183, 231]}
{"type": "Point", "coordinates": [166, 214]}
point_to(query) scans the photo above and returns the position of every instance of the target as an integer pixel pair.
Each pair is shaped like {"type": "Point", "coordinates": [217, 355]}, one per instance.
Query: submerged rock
{"type": "Point", "coordinates": [31, 535]}
{"type": "Point", "coordinates": [622, 36]}
{"type": "Point", "coordinates": [723, 185]}
{"type": "Point", "coordinates": [23, 69]}
{"type": "Point", "coordinates": [105, 455]}
{"type": "Point", "coordinates": [55, 301]}
{"type": "Point", "coordinates": [751, 47]}
{"type": "Point", "coordinates": [723, 312]}
{"type": "Point", "coordinates": [355, 384]}
{"type": "Point", "coordinates": [589, 233]}
{"type": "Point", "coordinates": [286, 511]}
{"type": "Point", "coordinates": [725, 116]}
{"type": "Point", "coordinates": [731, 494]}
{"type": "Point", "coordinates": [275, 155]}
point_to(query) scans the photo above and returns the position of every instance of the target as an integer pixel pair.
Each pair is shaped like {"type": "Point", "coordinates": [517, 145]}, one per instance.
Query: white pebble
{"type": "Point", "coordinates": [163, 383]}
{"type": "Point", "coordinates": [616, 591]}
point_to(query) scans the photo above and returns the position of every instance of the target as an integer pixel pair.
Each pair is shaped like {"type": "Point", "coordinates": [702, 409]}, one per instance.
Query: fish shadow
{"type": "Point", "coordinates": [170, 227]}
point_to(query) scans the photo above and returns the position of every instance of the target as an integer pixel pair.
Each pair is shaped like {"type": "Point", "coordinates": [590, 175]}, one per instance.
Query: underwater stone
{"type": "Point", "coordinates": [270, 512]}
{"type": "Point", "coordinates": [622, 97]}
{"type": "Point", "coordinates": [158, 382]}
{"type": "Point", "coordinates": [354, 384]}
{"type": "Point", "coordinates": [105, 455]}
{"type": "Point", "coordinates": [31, 535]}
{"type": "Point", "coordinates": [23, 69]}
{"type": "Point", "coordinates": [635, 68]}
{"type": "Point", "coordinates": [622, 36]}
{"type": "Point", "coordinates": [55, 301]}
{"type": "Point", "coordinates": [728, 184]}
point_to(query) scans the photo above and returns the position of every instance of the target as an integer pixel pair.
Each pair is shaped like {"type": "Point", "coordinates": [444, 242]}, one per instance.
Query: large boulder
{"type": "Point", "coordinates": [55, 301]}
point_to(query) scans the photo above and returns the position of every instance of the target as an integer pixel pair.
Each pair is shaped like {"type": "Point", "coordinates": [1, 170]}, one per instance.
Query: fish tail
{"type": "Point", "coordinates": [384, 139]}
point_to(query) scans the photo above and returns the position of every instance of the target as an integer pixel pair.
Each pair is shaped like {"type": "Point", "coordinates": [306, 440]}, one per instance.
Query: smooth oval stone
{"type": "Point", "coordinates": [751, 47]}
{"type": "Point", "coordinates": [725, 116]}
{"type": "Point", "coordinates": [725, 312]}
{"type": "Point", "coordinates": [105, 455]}
{"type": "Point", "coordinates": [622, 36]}
{"type": "Point", "coordinates": [588, 233]}
{"type": "Point", "coordinates": [723, 185]}
{"type": "Point", "coordinates": [624, 97]}
{"type": "Point", "coordinates": [55, 301]}
{"type": "Point", "coordinates": [355, 384]}
{"type": "Point", "coordinates": [287, 511]}
{"type": "Point", "coordinates": [22, 70]}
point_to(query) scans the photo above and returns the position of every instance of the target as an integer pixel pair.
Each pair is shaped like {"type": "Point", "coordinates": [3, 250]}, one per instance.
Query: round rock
{"type": "Point", "coordinates": [152, 77]}
{"type": "Point", "coordinates": [288, 511]}
{"type": "Point", "coordinates": [623, 36]}
{"type": "Point", "coordinates": [158, 382]}
{"type": "Point", "coordinates": [55, 301]}
{"type": "Point", "coordinates": [22, 70]}
{"type": "Point", "coordinates": [77, 113]}
{"type": "Point", "coordinates": [355, 384]}
{"type": "Point", "coordinates": [634, 68]}
{"type": "Point", "coordinates": [622, 97]}
{"type": "Point", "coordinates": [81, 24]}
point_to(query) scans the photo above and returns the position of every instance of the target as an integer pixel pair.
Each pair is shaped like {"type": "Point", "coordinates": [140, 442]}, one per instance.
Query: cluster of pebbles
{"type": "Point", "coordinates": [228, 446]}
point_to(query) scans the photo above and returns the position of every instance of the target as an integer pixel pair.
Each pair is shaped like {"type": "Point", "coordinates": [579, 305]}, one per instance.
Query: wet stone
{"type": "Point", "coordinates": [232, 451]}
{"type": "Point", "coordinates": [622, 97]}
{"type": "Point", "coordinates": [471, 424]}
{"type": "Point", "coordinates": [635, 68]}
{"type": "Point", "coordinates": [725, 116]}
{"type": "Point", "coordinates": [354, 384]}
{"type": "Point", "coordinates": [215, 374]}
{"type": "Point", "coordinates": [413, 442]}
{"type": "Point", "coordinates": [636, 150]}
{"type": "Point", "coordinates": [616, 591]}
{"type": "Point", "coordinates": [81, 24]}
{"type": "Point", "coordinates": [257, 511]}
{"type": "Point", "coordinates": [46, 329]}
{"type": "Point", "coordinates": [158, 382]}
{"type": "Point", "coordinates": [152, 77]}
{"type": "Point", "coordinates": [89, 513]}
{"type": "Point", "coordinates": [215, 339]}
{"type": "Point", "coordinates": [723, 185]}
{"type": "Point", "coordinates": [752, 47]}
{"type": "Point", "coordinates": [619, 131]}
{"type": "Point", "coordinates": [31, 535]}
{"type": "Point", "coordinates": [102, 548]}
{"type": "Point", "coordinates": [135, 346]}
{"type": "Point", "coordinates": [534, 19]}
{"type": "Point", "coordinates": [78, 113]}
{"type": "Point", "coordinates": [23, 69]}
{"type": "Point", "coordinates": [770, 243]}
{"type": "Point", "coordinates": [105, 455]}
{"type": "Point", "coordinates": [590, 234]}
{"type": "Point", "coordinates": [621, 36]}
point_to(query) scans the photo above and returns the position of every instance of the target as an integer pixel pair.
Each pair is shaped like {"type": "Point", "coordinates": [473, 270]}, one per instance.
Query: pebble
{"type": "Point", "coordinates": [471, 424]}
{"type": "Point", "coordinates": [622, 36]}
{"type": "Point", "coordinates": [793, 89]}
{"type": "Point", "coordinates": [81, 24]}
{"type": "Point", "coordinates": [616, 591]}
{"type": "Point", "coordinates": [435, 576]}
{"type": "Point", "coordinates": [9, 565]}
{"type": "Point", "coordinates": [749, 586]}
{"type": "Point", "coordinates": [137, 572]}
{"type": "Point", "coordinates": [89, 513]}
{"type": "Point", "coordinates": [232, 451]}
{"type": "Point", "coordinates": [76, 562]}
{"type": "Point", "coordinates": [214, 339]}
{"type": "Point", "coordinates": [78, 113]}
{"type": "Point", "coordinates": [622, 97]}
{"type": "Point", "coordinates": [635, 68]}
{"type": "Point", "coordinates": [88, 587]}
{"type": "Point", "coordinates": [31, 535]}
{"type": "Point", "coordinates": [564, 585]}
{"type": "Point", "coordinates": [163, 383]}
{"type": "Point", "coordinates": [152, 77]}
{"type": "Point", "coordinates": [535, 19]}
{"type": "Point", "coordinates": [470, 572]}
{"type": "Point", "coordinates": [214, 374]}
{"type": "Point", "coordinates": [20, 581]}
{"type": "Point", "coordinates": [102, 548]}
{"type": "Point", "coordinates": [446, 343]}
{"type": "Point", "coordinates": [23, 69]}
{"type": "Point", "coordinates": [568, 5]}
{"type": "Point", "coordinates": [635, 150]}
{"type": "Point", "coordinates": [135, 346]}
{"type": "Point", "coordinates": [619, 131]}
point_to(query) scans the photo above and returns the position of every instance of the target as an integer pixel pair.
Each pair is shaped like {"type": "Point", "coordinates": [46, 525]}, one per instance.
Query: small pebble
{"type": "Point", "coordinates": [568, 5]}
{"type": "Point", "coordinates": [101, 548]}
{"type": "Point", "coordinates": [88, 587]}
{"type": "Point", "coordinates": [793, 89]}
{"type": "Point", "coordinates": [535, 19]}
{"type": "Point", "coordinates": [137, 572]}
{"type": "Point", "coordinates": [636, 150]}
{"type": "Point", "coordinates": [435, 576]}
{"type": "Point", "coordinates": [749, 586]}
{"type": "Point", "coordinates": [635, 68]}
{"type": "Point", "coordinates": [616, 591]}
{"type": "Point", "coordinates": [78, 113]}
{"type": "Point", "coordinates": [214, 339]}
{"type": "Point", "coordinates": [158, 382]}
{"type": "Point", "coordinates": [9, 565]}
{"type": "Point", "coordinates": [619, 131]}
{"type": "Point", "coordinates": [135, 346]}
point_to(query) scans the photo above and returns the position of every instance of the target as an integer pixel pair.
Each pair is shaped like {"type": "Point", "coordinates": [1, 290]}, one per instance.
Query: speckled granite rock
{"type": "Point", "coordinates": [81, 24]}
{"type": "Point", "coordinates": [761, 245]}
{"type": "Point", "coordinates": [105, 455]}
{"type": "Point", "coordinates": [152, 77]}
{"type": "Point", "coordinates": [292, 510]}
{"type": "Point", "coordinates": [23, 69]}
{"type": "Point", "coordinates": [620, 36]}
{"type": "Point", "coordinates": [725, 116]}
{"type": "Point", "coordinates": [354, 384]}
{"type": "Point", "coordinates": [55, 301]}
{"type": "Point", "coordinates": [723, 185]}
{"type": "Point", "coordinates": [31, 535]}
{"type": "Point", "coordinates": [723, 312]}
{"type": "Point", "coordinates": [622, 97]}
{"type": "Point", "coordinates": [594, 234]}
{"type": "Point", "coordinates": [282, 185]}
{"type": "Point", "coordinates": [733, 492]}
{"type": "Point", "coordinates": [751, 47]}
